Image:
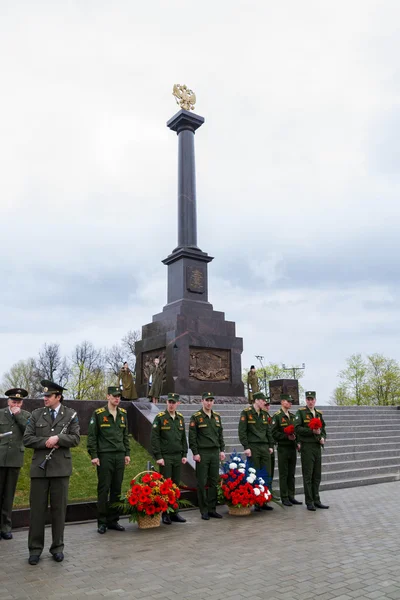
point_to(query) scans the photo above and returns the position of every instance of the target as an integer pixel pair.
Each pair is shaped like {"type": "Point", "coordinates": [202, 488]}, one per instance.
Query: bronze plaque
{"type": "Point", "coordinates": [284, 386]}
{"type": "Point", "coordinates": [195, 279]}
{"type": "Point", "coordinates": [207, 364]}
{"type": "Point", "coordinates": [147, 362]}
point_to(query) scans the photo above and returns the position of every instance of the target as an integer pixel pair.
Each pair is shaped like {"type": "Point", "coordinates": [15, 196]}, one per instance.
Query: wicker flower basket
{"type": "Point", "coordinates": [147, 521]}
{"type": "Point", "coordinates": [239, 511]}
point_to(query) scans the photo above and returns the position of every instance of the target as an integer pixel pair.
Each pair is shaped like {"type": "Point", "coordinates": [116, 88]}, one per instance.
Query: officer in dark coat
{"type": "Point", "coordinates": [108, 446]}
{"type": "Point", "coordinates": [13, 421]}
{"type": "Point", "coordinates": [169, 446]}
{"type": "Point", "coordinates": [50, 477]}
{"type": "Point", "coordinates": [206, 440]}
{"type": "Point", "coordinates": [311, 442]}
{"type": "Point", "coordinates": [252, 384]}
{"type": "Point", "coordinates": [287, 450]}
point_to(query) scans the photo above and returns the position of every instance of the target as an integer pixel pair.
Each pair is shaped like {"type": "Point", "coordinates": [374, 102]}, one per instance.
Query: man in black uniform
{"type": "Point", "coordinates": [169, 446]}
{"type": "Point", "coordinates": [108, 446]}
{"type": "Point", "coordinates": [50, 477]}
{"type": "Point", "coordinates": [13, 421]}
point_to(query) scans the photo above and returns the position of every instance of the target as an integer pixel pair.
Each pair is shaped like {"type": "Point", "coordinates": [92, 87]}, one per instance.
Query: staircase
{"type": "Point", "coordinates": [362, 446]}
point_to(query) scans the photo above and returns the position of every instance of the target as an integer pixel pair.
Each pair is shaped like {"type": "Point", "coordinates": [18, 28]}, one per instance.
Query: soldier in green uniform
{"type": "Point", "coordinates": [311, 443]}
{"type": "Point", "coordinates": [50, 479]}
{"type": "Point", "coordinates": [266, 408]}
{"type": "Point", "coordinates": [108, 447]}
{"type": "Point", "coordinates": [256, 438]}
{"type": "Point", "coordinates": [13, 421]}
{"type": "Point", "coordinates": [156, 381]}
{"type": "Point", "coordinates": [169, 446]}
{"type": "Point", "coordinates": [206, 440]}
{"type": "Point", "coordinates": [252, 383]}
{"type": "Point", "coordinates": [128, 385]}
{"type": "Point", "coordinates": [287, 450]}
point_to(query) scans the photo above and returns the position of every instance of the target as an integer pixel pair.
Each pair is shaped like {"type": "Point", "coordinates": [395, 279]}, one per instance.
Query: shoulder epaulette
{"type": "Point", "coordinates": [303, 408]}
{"type": "Point", "coordinates": [248, 408]}
{"type": "Point", "coordinates": [215, 413]}
{"type": "Point", "coordinates": [100, 410]}
{"type": "Point", "coordinates": [277, 412]}
{"type": "Point", "coordinates": [319, 411]}
{"type": "Point", "coordinates": [179, 414]}
{"type": "Point", "coordinates": [197, 414]}
{"type": "Point", "coordinates": [160, 414]}
{"type": "Point", "coordinates": [123, 410]}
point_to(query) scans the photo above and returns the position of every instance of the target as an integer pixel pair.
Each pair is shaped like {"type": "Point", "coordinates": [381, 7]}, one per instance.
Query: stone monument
{"type": "Point", "coordinates": [199, 347]}
{"type": "Point", "coordinates": [284, 386]}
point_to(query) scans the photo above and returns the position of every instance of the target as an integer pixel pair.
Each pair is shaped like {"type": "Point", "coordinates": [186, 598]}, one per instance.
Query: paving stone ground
{"type": "Point", "coordinates": [351, 551]}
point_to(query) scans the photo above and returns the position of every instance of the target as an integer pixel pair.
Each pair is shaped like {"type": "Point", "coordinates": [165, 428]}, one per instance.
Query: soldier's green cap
{"type": "Point", "coordinates": [114, 390]}
{"type": "Point", "coordinates": [286, 397]}
{"type": "Point", "coordinates": [173, 398]}
{"type": "Point", "coordinates": [207, 396]}
{"type": "Point", "coordinates": [49, 387]}
{"type": "Point", "coordinates": [16, 394]}
{"type": "Point", "coordinates": [310, 394]}
{"type": "Point", "coordinates": [259, 396]}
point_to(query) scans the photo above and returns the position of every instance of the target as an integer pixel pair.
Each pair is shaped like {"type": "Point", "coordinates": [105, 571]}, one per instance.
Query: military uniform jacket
{"type": "Point", "coordinates": [252, 383]}
{"type": "Point", "coordinates": [12, 447]}
{"type": "Point", "coordinates": [168, 435]}
{"type": "Point", "coordinates": [303, 432]}
{"type": "Point", "coordinates": [106, 434]}
{"type": "Point", "coordinates": [279, 422]}
{"type": "Point", "coordinates": [254, 428]}
{"type": "Point", "coordinates": [206, 433]}
{"type": "Point", "coordinates": [39, 428]}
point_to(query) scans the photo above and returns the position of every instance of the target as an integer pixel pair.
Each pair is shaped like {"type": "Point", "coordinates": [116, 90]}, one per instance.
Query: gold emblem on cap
{"type": "Point", "coordinates": [45, 389]}
{"type": "Point", "coordinates": [18, 395]}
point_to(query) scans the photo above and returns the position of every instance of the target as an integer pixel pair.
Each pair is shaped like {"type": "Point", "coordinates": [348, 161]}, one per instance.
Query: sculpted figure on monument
{"type": "Point", "coordinates": [128, 384]}
{"type": "Point", "coordinates": [156, 379]}
{"type": "Point", "coordinates": [209, 365]}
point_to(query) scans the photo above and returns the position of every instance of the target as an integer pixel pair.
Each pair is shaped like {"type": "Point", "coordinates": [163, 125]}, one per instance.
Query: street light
{"type": "Point", "coordinates": [294, 369]}
{"type": "Point", "coordinates": [261, 358]}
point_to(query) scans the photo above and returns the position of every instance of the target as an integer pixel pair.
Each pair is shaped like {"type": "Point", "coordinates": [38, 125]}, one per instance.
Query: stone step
{"type": "Point", "coordinates": [334, 447]}
{"type": "Point", "coordinates": [345, 483]}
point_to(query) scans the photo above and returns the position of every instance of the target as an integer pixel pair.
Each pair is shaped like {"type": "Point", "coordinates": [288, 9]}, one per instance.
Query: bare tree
{"type": "Point", "coordinates": [51, 365]}
{"type": "Point", "coordinates": [129, 346]}
{"type": "Point", "coordinates": [114, 358]}
{"type": "Point", "coordinates": [88, 378]}
{"type": "Point", "coordinates": [22, 374]}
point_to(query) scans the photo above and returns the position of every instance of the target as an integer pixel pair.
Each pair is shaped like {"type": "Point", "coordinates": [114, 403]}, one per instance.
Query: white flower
{"type": "Point", "coordinates": [242, 465]}
{"type": "Point", "coordinates": [262, 488]}
{"type": "Point", "coordinates": [267, 496]}
{"type": "Point", "coordinates": [256, 491]}
{"type": "Point", "coordinates": [249, 480]}
{"type": "Point", "coordinates": [233, 465]}
{"type": "Point", "coordinates": [261, 480]}
{"type": "Point", "coordinates": [236, 458]}
{"type": "Point", "coordinates": [251, 470]}
{"type": "Point", "coordinates": [241, 471]}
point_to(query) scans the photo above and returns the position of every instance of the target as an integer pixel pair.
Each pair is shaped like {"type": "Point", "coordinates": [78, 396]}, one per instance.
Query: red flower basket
{"type": "Point", "coordinates": [149, 495]}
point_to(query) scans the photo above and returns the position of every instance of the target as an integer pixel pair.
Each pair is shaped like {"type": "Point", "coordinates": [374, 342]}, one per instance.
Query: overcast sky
{"type": "Point", "coordinates": [298, 168]}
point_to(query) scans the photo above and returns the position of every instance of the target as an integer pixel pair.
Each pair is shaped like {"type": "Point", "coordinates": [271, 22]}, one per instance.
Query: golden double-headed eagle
{"type": "Point", "coordinates": [184, 97]}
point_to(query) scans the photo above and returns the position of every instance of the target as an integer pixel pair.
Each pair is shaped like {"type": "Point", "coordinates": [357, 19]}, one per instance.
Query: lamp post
{"type": "Point", "coordinates": [261, 358]}
{"type": "Point", "coordinates": [294, 369]}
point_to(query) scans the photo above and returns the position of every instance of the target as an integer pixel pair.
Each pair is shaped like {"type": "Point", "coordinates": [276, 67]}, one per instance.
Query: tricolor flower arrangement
{"type": "Point", "coordinates": [240, 486]}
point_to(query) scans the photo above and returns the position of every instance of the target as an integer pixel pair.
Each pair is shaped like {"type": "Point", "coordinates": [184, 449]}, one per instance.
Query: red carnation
{"type": "Point", "coordinates": [289, 430]}
{"type": "Point", "coordinates": [150, 510]}
{"type": "Point", "coordinates": [177, 493]}
{"type": "Point", "coordinates": [315, 423]}
{"type": "Point", "coordinates": [146, 478]}
{"type": "Point", "coordinates": [146, 489]}
{"type": "Point", "coordinates": [175, 506]}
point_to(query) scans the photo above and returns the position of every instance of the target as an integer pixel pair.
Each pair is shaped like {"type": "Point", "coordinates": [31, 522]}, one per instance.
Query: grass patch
{"type": "Point", "coordinates": [83, 482]}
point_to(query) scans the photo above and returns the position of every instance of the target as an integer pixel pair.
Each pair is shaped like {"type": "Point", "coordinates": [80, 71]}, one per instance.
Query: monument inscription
{"type": "Point", "coordinates": [195, 279]}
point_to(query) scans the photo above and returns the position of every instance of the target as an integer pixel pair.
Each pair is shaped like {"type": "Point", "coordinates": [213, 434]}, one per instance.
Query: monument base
{"type": "Point", "coordinates": [199, 348]}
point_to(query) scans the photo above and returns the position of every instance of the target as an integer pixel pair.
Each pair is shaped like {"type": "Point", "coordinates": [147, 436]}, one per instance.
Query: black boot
{"type": "Point", "coordinates": [176, 518]}
{"type": "Point", "coordinates": [166, 519]}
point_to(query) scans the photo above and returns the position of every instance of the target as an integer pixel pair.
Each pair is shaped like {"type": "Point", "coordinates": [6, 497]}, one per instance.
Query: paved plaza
{"type": "Point", "coordinates": [349, 551]}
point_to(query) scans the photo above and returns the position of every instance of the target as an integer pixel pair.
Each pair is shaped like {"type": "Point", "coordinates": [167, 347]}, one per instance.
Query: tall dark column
{"type": "Point", "coordinates": [185, 124]}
